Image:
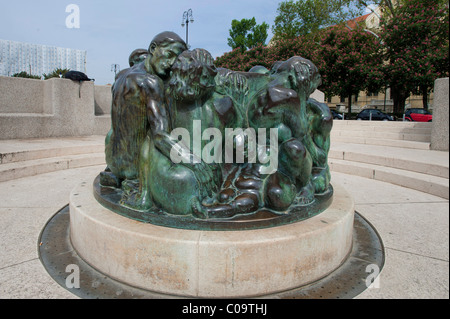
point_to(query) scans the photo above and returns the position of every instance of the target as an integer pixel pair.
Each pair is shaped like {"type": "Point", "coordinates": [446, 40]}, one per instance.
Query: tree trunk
{"type": "Point", "coordinates": [349, 112]}
{"type": "Point", "coordinates": [424, 97]}
{"type": "Point", "coordinates": [399, 99]}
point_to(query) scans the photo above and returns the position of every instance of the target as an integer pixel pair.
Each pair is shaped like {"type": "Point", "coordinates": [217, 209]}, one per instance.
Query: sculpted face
{"type": "Point", "coordinates": [306, 72]}
{"type": "Point", "coordinates": [302, 72]}
{"type": "Point", "coordinates": [192, 75]}
{"type": "Point", "coordinates": [163, 57]}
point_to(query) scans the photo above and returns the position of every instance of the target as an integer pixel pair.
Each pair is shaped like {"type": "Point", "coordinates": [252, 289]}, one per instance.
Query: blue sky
{"type": "Point", "coordinates": [110, 30]}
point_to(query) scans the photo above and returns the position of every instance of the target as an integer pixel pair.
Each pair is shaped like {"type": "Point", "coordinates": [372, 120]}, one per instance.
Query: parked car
{"type": "Point", "coordinates": [418, 115]}
{"type": "Point", "coordinates": [336, 115]}
{"type": "Point", "coordinates": [374, 115]}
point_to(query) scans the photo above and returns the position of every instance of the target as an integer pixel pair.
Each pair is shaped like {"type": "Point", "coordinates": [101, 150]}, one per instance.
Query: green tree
{"type": "Point", "coordinates": [56, 73]}
{"type": "Point", "coordinates": [349, 61]}
{"type": "Point", "coordinates": [307, 16]}
{"type": "Point", "coordinates": [417, 45]}
{"type": "Point", "coordinates": [246, 34]}
{"type": "Point", "coordinates": [24, 74]}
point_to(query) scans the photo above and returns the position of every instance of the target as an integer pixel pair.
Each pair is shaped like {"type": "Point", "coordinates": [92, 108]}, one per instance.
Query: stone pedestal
{"type": "Point", "coordinates": [440, 125]}
{"type": "Point", "coordinates": [201, 263]}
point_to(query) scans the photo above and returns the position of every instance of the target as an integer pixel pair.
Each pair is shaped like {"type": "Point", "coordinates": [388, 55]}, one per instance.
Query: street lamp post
{"type": "Point", "coordinates": [115, 68]}
{"type": "Point", "coordinates": [187, 17]}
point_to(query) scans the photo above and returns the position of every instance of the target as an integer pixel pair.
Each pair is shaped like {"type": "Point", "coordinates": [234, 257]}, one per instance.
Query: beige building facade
{"type": "Point", "coordinates": [380, 101]}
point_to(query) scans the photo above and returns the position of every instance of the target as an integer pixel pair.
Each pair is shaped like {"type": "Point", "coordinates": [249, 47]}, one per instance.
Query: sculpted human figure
{"type": "Point", "coordinates": [320, 123]}
{"type": "Point", "coordinates": [161, 105]}
{"type": "Point", "coordinates": [172, 182]}
{"type": "Point", "coordinates": [275, 99]}
{"type": "Point", "coordinates": [315, 115]}
{"type": "Point", "coordinates": [265, 99]}
{"type": "Point", "coordinates": [137, 106]}
{"type": "Point", "coordinates": [137, 56]}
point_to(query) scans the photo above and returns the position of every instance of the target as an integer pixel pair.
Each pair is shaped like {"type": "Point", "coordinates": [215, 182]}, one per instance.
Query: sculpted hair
{"type": "Point", "coordinates": [187, 73]}
{"type": "Point", "coordinates": [136, 53]}
{"type": "Point", "coordinates": [295, 67]}
{"type": "Point", "coordinates": [165, 38]}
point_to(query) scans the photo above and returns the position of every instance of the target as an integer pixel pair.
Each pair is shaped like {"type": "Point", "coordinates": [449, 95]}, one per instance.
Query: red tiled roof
{"type": "Point", "coordinates": [353, 22]}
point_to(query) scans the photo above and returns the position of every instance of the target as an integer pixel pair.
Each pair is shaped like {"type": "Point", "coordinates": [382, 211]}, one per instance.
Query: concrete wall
{"type": "Point", "coordinates": [56, 107]}
{"type": "Point", "coordinates": [440, 124]}
{"type": "Point", "coordinates": [20, 95]}
{"type": "Point", "coordinates": [102, 99]}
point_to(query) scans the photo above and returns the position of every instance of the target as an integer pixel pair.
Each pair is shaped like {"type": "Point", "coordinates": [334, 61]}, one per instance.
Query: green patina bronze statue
{"type": "Point", "coordinates": [195, 146]}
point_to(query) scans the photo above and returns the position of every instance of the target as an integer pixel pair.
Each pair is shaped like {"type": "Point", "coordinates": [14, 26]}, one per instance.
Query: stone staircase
{"type": "Point", "coordinates": [393, 152]}
{"type": "Point", "coordinates": [416, 135]}
{"type": "Point", "coordinates": [28, 157]}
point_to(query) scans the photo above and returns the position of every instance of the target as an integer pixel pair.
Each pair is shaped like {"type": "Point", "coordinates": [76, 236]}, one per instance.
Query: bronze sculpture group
{"type": "Point", "coordinates": [190, 139]}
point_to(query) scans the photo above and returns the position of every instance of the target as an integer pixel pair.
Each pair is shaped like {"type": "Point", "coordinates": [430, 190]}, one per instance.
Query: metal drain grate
{"type": "Point", "coordinates": [57, 255]}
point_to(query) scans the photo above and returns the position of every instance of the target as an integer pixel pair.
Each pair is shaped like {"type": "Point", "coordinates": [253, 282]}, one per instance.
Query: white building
{"type": "Point", "coordinates": [37, 59]}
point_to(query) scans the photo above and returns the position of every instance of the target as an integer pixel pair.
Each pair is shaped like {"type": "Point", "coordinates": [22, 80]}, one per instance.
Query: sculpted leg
{"type": "Point", "coordinates": [296, 162]}
{"type": "Point", "coordinates": [173, 187]}
{"type": "Point", "coordinates": [108, 178]}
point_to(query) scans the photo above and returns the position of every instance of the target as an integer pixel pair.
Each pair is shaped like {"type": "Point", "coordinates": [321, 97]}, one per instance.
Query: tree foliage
{"type": "Point", "coordinates": [408, 53]}
{"type": "Point", "coordinates": [246, 34]}
{"type": "Point", "coordinates": [417, 47]}
{"type": "Point", "coordinates": [56, 73]}
{"type": "Point", "coordinates": [24, 74]}
{"type": "Point", "coordinates": [307, 16]}
{"type": "Point", "coordinates": [349, 61]}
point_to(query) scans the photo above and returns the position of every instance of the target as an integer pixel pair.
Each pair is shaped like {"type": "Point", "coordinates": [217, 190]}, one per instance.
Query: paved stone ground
{"type": "Point", "coordinates": [414, 227]}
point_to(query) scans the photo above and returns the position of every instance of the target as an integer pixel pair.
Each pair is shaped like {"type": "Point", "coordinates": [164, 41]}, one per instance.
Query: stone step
{"type": "Point", "coordinates": [19, 169]}
{"type": "Point", "coordinates": [381, 125]}
{"type": "Point", "coordinates": [12, 151]}
{"type": "Point", "coordinates": [380, 141]}
{"type": "Point", "coordinates": [421, 161]}
{"type": "Point", "coordinates": [430, 184]}
{"type": "Point", "coordinates": [418, 137]}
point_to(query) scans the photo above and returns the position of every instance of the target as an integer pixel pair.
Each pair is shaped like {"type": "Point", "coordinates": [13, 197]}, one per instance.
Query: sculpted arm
{"type": "Point", "coordinates": [160, 128]}
{"type": "Point", "coordinates": [158, 116]}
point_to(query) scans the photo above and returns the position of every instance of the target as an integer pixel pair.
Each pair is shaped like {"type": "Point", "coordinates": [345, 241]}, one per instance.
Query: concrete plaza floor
{"type": "Point", "coordinates": [413, 225]}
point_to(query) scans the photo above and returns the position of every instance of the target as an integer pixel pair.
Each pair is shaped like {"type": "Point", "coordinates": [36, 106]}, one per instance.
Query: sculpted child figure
{"type": "Point", "coordinates": [281, 102]}
{"type": "Point", "coordinates": [303, 76]}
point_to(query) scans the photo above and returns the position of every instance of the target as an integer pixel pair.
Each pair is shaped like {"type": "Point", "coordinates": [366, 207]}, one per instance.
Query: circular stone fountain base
{"type": "Point", "coordinates": [198, 263]}
{"type": "Point", "coordinates": [346, 280]}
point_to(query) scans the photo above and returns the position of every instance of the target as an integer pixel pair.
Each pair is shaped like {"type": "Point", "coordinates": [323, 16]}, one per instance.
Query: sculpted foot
{"type": "Point", "coordinates": [133, 198]}
{"type": "Point", "coordinates": [305, 196]}
{"type": "Point", "coordinates": [108, 179]}
{"type": "Point", "coordinates": [198, 210]}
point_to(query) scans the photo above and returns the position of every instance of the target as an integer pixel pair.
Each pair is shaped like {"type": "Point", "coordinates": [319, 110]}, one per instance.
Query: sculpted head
{"type": "Point", "coordinates": [162, 53]}
{"type": "Point", "coordinates": [192, 75]}
{"type": "Point", "coordinates": [137, 56]}
{"type": "Point", "coordinates": [300, 71]}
